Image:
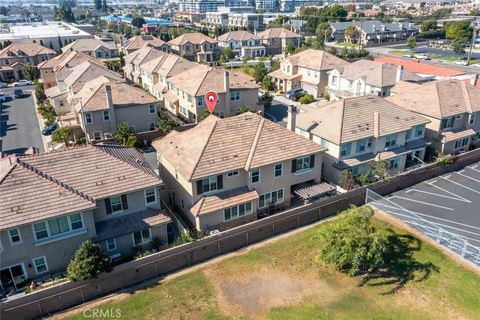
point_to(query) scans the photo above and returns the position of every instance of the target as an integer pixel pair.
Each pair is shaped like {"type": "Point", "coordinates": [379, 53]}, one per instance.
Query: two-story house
{"type": "Point", "coordinates": [103, 103]}
{"type": "Point", "coordinates": [276, 40]}
{"type": "Point", "coordinates": [138, 42]}
{"type": "Point", "coordinates": [62, 65]}
{"type": "Point", "coordinates": [242, 43]}
{"type": "Point", "coordinates": [94, 47]}
{"type": "Point", "coordinates": [307, 70]}
{"type": "Point", "coordinates": [14, 56]}
{"type": "Point", "coordinates": [223, 172]}
{"type": "Point", "coordinates": [453, 108]}
{"type": "Point", "coordinates": [195, 47]}
{"type": "Point", "coordinates": [137, 58]}
{"type": "Point", "coordinates": [359, 130]}
{"type": "Point", "coordinates": [52, 202]}
{"type": "Point", "coordinates": [366, 77]}
{"type": "Point", "coordinates": [186, 92]}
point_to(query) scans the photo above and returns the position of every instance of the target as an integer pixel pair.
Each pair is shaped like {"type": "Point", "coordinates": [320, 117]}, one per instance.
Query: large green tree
{"type": "Point", "coordinates": [89, 261]}
{"type": "Point", "coordinates": [351, 33]}
{"type": "Point", "coordinates": [125, 135]}
{"type": "Point", "coordinates": [61, 135]}
{"type": "Point", "coordinates": [138, 22]}
{"type": "Point", "coordinates": [352, 244]}
{"type": "Point", "coordinates": [165, 124]}
{"type": "Point", "coordinates": [323, 30]}
{"type": "Point", "coordinates": [411, 42]}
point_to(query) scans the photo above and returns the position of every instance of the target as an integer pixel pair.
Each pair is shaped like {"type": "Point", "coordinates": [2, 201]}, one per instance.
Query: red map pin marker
{"type": "Point", "coordinates": [211, 99]}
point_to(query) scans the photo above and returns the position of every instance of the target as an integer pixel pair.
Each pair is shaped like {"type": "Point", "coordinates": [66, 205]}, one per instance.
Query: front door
{"type": "Point", "coordinates": [13, 278]}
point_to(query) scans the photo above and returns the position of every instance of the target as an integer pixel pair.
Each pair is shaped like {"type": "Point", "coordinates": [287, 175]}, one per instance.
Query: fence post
{"type": "Point", "coordinates": [40, 309]}
{"type": "Point", "coordinates": [439, 236]}
{"type": "Point", "coordinates": [83, 298]}
{"type": "Point", "coordinates": [247, 237]}
{"type": "Point", "coordinates": [464, 249]}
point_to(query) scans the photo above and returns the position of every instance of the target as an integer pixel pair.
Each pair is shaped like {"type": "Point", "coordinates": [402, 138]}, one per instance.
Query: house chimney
{"type": "Point", "coordinates": [292, 118]}
{"type": "Point", "coordinates": [399, 73]}
{"type": "Point", "coordinates": [111, 110]}
{"type": "Point", "coordinates": [376, 124]}
{"type": "Point", "coordinates": [226, 88]}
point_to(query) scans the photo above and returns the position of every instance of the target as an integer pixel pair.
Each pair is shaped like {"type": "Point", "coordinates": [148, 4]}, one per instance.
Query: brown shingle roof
{"type": "Point", "coordinates": [87, 71]}
{"type": "Point", "coordinates": [86, 45]}
{"type": "Point", "coordinates": [373, 73]}
{"type": "Point", "coordinates": [440, 99]}
{"type": "Point", "coordinates": [354, 118]}
{"type": "Point", "coordinates": [143, 55]}
{"type": "Point", "coordinates": [316, 60]}
{"type": "Point", "coordinates": [237, 36]}
{"type": "Point", "coordinates": [220, 145]}
{"type": "Point", "coordinates": [193, 38]}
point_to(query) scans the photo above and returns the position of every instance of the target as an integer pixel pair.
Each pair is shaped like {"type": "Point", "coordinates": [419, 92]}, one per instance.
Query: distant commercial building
{"type": "Point", "coordinates": [291, 5]}
{"type": "Point", "coordinates": [268, 5]}
{"type": "Point", "coordinates": [200, 6]}
{"type": "Point", "coordinates": [53, 35]}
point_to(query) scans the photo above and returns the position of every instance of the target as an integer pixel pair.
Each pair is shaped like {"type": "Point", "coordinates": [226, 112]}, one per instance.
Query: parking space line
{"type": "Point", "coordinates": [446, 178]}
{"type": "Point", "coordinates": [463, 175]}
{"type": "Point", "coordinates": [439, 195]}
{"type": "Point", "coordinates": [474, 168]}
{"type": "Point", "coordinates": [446, 220]}
{"type": "Point", "coordinates": [422, 202]}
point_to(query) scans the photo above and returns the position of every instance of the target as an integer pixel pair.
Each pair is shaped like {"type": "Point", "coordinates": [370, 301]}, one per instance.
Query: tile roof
{"type": "Point", "coordinates": [19, 49]}
{"type": "Point", "coordinates": [137, 42]}
{"type": "Point", "coordinates": [420, 67]}
{"type": "Point", "coordinates": [193, 38]}
{"type": "Point", "coordinates": [238, 36]}
{"type": "Point", "coordinates": [456, 134]}
{"type": "Point", "coordinates": [87, 45]}
{"type": "Point", "coordinates": [277, 33]}
{"type": "Point", "coordinates": [242, 142]}
{"type": "Point", "coordinates": [440, 99]}
{"type": "Point", "coordinates": [373, 73]}
{"type": "Point", "coordinates": [209, 204]}
{"type": "Point", "coordinates": [373, 26]}
{"type": "Point", "coordinates": [93, 95]}
{"type": "Point", "coordinates": [118, 226]}
{"type": "Point", "coordinates": [168, 65]}
{"type": "Point", "coordinates": [70, 59]}
{"type": "Point", "coordinates": [87, 71]}
{"type": "Point", "coordinates": [315, 59]}
{"type": "Point", "coordinates": [354, 118]}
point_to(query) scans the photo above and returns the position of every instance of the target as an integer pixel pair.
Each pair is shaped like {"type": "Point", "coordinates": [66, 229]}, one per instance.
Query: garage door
{"type": "Point", "coordinates": [310, 89]}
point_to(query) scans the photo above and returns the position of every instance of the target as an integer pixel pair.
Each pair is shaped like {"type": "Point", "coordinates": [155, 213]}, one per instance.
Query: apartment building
{"type": "Point", "coordinates": [277, 39]}
{"type": "Point", "coordinates": [138, 42]}
{"type": "Point", "coordinates": [307, 70]}
{"type": "Point", "coordinates": [374, 32]}
{"type": "Point", "coordinates": [195, 47]}
{"type": "Point", "coordinates": [200, 6]}
{"type": "Point", "coordinates": [62, 65]}
{"type": "Point", "coordinates": [52, 202]}
{"type": "Point", "coordinates": [103, 103]}
{"type": "Point", "coordinates": [453, 108]}
{"type": "Point", "coordinates": [267, 5]}
{"type": "Point", "coordinates": [253, 21]}
{"type": "Point", "coordinates": [186, 91]}
{"type": "Point", "coordinates": [223, 172]}
{"type": "Point", "coordinates": [243, 43]}
{"type": "Point", "coordinates": [358, 130]}
{"type": "Point", "coordinates": [16, 55]}
{"type": "Point", "coordinates": [94, 47]}
{"type": "Point", "coordinates": [366, 77]}
{"type": "Point", "coordinates": [136, 58]}
{"type": "Point", "coordinates": [71, 80]}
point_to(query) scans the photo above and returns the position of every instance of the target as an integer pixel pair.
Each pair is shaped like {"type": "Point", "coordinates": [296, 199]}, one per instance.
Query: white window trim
{"type": "Point", "coordinates": [56, 237]}
{"type": "Point", "coordinates": [259, 176]}
{"type": "Point", "coordinates": [35, 266]}
{"type": "Point", "coordinates": [19, 235]}
{"type": "Point", "coordinates": [150, 125]}
{"type": "Point", "coordinates": [145, 196]}
{"type": "Point", "coordinates": [238, 211]}
{"type": "Point", "coordinates": [121, 203]}
{"type": "Point", "coordinates": [100, 134]}
{"type": "Point", "coordinates": [91, 118]}
{"type": "Point", "coordinates": [154, 109]}
{"type": "Point", "coordinates": [281, 175]}
{"type": "Point", "coordinates": [143, 242]}
{"type": "Point", "coordinates": [114, 243]}
{"type": "Point", "coordinates": [306, 170]}
{"type": "Point", "coordinates": [103, 115]}
{"type": "Point", "coordinates": [234, 173]}
{"type": "Point", "coordinates": [266, 206]}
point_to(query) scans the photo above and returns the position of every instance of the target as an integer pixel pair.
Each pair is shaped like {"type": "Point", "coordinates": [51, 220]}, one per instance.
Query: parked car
{"type": "Point", "coordinates": [3, 85]}
{"type": "Point", "coordinates": [461, 62]}
{"type": "Point", "coordinates": [295, 94]}
{"type": "Point", "coordinates": [17, 93]}
{"type": "Point", "coordinates": [408, 55]}
{"type": "Point", "coordinates": [476, 65]}
{"type": "Point", "coordinates": [422, 56]}
{"type": "Point", "coordinates": [50, 129]}
{"type": "Point", "coordinates": [3, 97]}
{"type": "Point", "coordinates": [23, 83]}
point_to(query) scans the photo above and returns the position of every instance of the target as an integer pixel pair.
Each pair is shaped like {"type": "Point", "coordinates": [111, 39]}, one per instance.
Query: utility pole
{"type": "Point", "coordinates": [472, 43]}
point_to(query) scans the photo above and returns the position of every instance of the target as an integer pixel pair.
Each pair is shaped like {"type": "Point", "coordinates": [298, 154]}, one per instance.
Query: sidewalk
{"type": "Point", "coordinates": [47, 140]}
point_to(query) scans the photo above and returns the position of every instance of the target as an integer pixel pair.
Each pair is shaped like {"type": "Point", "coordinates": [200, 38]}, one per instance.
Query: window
{"type": "Point", "coordinates": [345, 149]}
{"type": "Point", "coordinates": [270, 198]}
{"type": "Point", "coordinates": [334, 80]}
{"type": "Point", "coordinates": [60, 103]}
{"type": "Point", "coordinates": [200, 101]}
{"type": "Point", "coordinates": [278, 170]}
{"type": "Point", "coordinates": [473, 116]}
{"type": "Point", "coordinates": [303, 164]}
{"type": "Point", "coordinates": [255, 175]}
{"type": "Point", "coordinates": [461, 143]}
{"type": "Point", "coordinates": [58, 226]}
{"type": "Point", "coordinates": [150, 196]}
{"type": "Point", "coordinates": [141, 237]}
{"type": "Point", "coordinates": [234, 95]}
{"type": "Point", "coordinates": [447, 123]}
{"type": "Point", "coordinates": [362, 145]}
{"type": "Point", "coordinates": [116, 204]}
{"type": "Point", "coordinates": [111, 244]}
{"type": "Point", "coordinates": [419, 130]}
{"type": "Point", "coordinates": [237, 211]}
{"type": "Point", "coordinates": [40, 264]}
{"type": "Point", "coordinates": [183, 111]}
{"type": "Point", "coordinates": [210, 184]}
{"type": "Point", "coordinates": [408, 135]}
{"type": "Point", "coordinates": [106, 115]}
{"type": "Point", "coordinates": [15, 237]}
{"type": "Point", "coordinates": [152, 109]}
{"type": "Point", "coordinates": [88, 117]}
{"type": "Point", "coordinates": [393, 163]}
{"type": "Point", "coordinates": [151, 126]}
{"type": "Point", "coordinates": [97, 135]}
{"type": "Point", "coordinates": [390, 140]}
{"type": "Point", "coordinates": [232, 174]}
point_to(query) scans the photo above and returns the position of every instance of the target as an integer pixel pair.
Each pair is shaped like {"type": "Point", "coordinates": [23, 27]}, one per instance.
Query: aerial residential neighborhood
{"type": "Point", "coordinates": [239, 159]}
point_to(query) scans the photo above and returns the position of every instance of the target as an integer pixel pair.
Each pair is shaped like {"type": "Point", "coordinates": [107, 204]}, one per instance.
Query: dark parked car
{"type": "Point", "coordinates": [17, 93]}
{"type": "Point", "coordinates": [295, 94]}
{"type": "Point", "coordinates": [50, 129]}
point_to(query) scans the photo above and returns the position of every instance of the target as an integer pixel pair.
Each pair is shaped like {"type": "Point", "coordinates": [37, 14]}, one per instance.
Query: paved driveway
{"type": "Point", "coordinates": [19, 127]}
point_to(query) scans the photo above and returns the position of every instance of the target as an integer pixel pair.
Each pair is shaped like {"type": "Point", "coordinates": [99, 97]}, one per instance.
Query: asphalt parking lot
{"type": "Point", "coordinates": [451, 201]}
{"type": "Point", "coordinates": [19, 127]}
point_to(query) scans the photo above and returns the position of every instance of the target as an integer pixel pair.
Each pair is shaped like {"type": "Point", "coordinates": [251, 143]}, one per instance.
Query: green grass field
{"type": "Point", "coordinates": [284, 280]}
{"type": "Point", "coordinates": [398, 52]}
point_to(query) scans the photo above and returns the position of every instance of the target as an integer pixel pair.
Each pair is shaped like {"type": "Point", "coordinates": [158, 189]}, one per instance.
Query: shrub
{"type": "Point", "coordinates": [89, 261]}
{"type": "Point", "coordinates": [308, 98]}
{"type": "Point", "coordinates": [326, 95]}
{"type": "Point", "coordinates": [445, 160]}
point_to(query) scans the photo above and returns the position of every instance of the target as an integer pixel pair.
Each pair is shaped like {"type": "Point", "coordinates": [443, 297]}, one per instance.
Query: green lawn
{"type": "Point", "coordinates": [284, 280]}
{"type": "Point", "coordinates": [347, 44]}
{"type": "Point", "coordinates": [398, 52]}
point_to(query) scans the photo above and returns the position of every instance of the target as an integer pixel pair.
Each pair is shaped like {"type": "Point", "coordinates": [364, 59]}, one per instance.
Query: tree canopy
{"type": "Point", "coordinates": [124, 135]}
{"type": "Point", "coordinates": [89, 261]}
